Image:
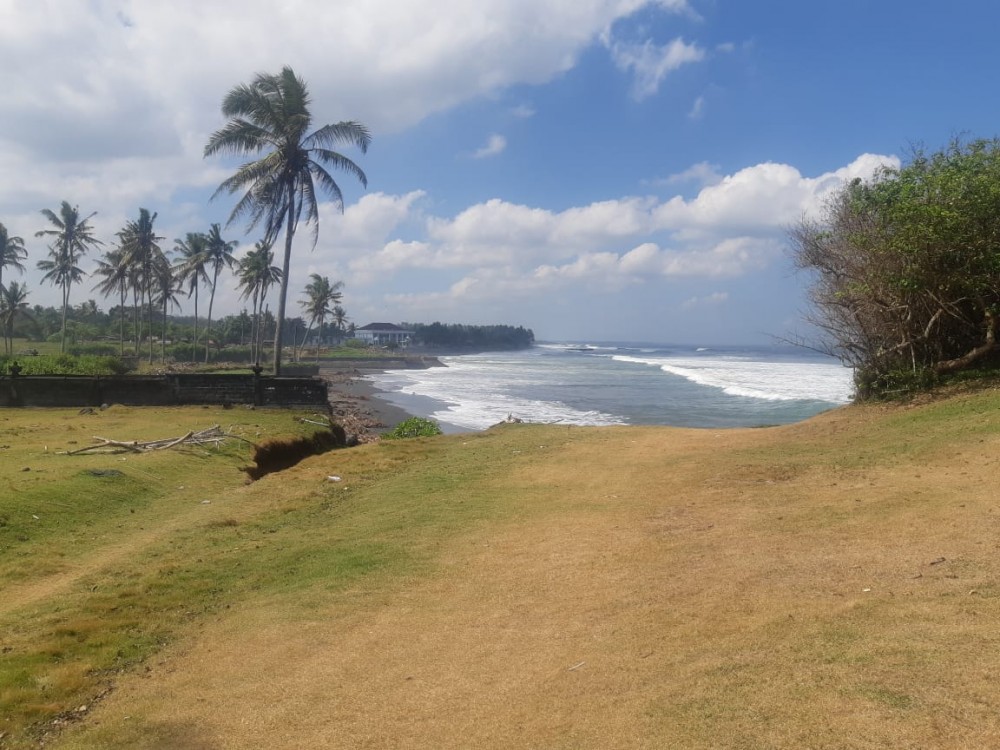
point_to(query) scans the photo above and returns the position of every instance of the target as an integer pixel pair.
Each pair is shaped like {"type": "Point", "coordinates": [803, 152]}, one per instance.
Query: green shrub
{"type": "Point", "coordinates": [65, 364]}
{"type": "Point", "coordinates": [98, 350]}
{"type": "Point", "coordinates": [413, 427]}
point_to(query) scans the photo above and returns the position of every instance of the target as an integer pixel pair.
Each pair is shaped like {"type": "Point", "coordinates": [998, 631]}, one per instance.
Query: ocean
{"type": "Point", "coordinates": [619, 384]}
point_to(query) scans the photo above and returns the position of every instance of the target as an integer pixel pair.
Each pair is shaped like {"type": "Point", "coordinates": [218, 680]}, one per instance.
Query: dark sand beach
{"type": "Point", "coordinates": [354, 401]}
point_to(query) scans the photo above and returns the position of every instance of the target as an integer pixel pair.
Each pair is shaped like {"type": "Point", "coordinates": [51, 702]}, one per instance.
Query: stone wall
{"type": "Point", "coordinates": [160, 390]}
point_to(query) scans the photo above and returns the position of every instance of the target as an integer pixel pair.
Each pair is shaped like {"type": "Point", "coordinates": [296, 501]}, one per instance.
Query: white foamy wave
{"type": "Point", "coordinates": [474, 395]}
{"type": "Point", "coordinates": [770, 381]}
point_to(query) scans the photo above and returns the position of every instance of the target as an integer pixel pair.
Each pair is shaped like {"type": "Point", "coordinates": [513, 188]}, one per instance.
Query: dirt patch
{"type": "Point", "coordinates": [278, 454]}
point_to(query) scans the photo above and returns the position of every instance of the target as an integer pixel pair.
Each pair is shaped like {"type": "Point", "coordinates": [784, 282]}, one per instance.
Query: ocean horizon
{"type": "Point", "coordinates": [622, 383]}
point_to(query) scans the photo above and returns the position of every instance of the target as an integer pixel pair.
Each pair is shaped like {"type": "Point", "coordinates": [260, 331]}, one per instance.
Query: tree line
{"type": "Point", "coordinates": [906, 269]}
{"type": "Point", "coordinates": [268, 118]}
{"type": "Point", "coordinates": [460, 336]}
{"type": "Point", "coordinates": [147, 281]}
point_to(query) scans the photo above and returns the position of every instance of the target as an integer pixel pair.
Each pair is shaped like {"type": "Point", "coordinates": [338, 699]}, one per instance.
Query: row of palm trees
{"type": "Point", "coordinates": [137, 267]}
{"type": "Point", "coordinates": [268, 118]}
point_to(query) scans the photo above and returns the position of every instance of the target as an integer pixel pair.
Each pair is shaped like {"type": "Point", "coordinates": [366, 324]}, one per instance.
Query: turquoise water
{"type": "Point", "coordinates": [612, 383]}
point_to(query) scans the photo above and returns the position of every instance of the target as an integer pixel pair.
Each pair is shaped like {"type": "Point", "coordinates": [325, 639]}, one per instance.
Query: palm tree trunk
{"type": "Point", "coordinates": [137, 317]}
{"type": "Point", "coordinates": [62, 347]}
{"type": "Point", "coordinates": [305, 337]}
{"type": "Point", "coordinates": [149, 297]}
{"type": "Point", "coordinates": [255, 329]}
{"type": "Point", "coordinates": [121, 321]}
{"type": "Point", "coordinates": [163, 333]}
{"type": "Point", "coordinates": [194, 345]}
{"type": "Point", "coordinates": [211, 301]}
{"type": "Point", "coordinates": [279, 325]}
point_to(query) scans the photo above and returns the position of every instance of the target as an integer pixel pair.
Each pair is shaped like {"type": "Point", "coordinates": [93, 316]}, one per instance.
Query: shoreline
{"type": "Point", "coordinates": [354, 402]}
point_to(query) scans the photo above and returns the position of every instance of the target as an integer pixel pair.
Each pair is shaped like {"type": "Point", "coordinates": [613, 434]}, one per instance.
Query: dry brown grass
{"type": "Point", "coordinates": [832, 584]}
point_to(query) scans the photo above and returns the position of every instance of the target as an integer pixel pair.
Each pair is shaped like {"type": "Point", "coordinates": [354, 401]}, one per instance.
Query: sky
{"type": "Point", "coordinates": [595, 170]}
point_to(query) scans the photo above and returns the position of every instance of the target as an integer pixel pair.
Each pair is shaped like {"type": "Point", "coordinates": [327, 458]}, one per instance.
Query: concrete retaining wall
{"type": "Point", "coordinates": [160, 390]}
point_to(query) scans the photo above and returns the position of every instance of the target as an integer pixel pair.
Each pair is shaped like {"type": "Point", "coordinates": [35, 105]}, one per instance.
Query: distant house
{"type": "Point", "coordinates": [383, 334]}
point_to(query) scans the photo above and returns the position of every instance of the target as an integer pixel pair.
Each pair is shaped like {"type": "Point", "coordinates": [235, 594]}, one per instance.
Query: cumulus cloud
{"type": "Point", "coordinates": [116, 98]}
{"type": "Point", "coordinates": [502, 252]}
{"type": "Point", "coordinates": [495, 145]}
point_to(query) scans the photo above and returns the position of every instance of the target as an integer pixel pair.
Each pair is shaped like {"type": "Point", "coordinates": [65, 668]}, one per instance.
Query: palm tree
{"type": "Point", "coordinates": [218, 253]}
{"type": "Point", "coordinates": [190, 270]}
{"type": "Point", "coordinates": [139, 243]}
{"type": "Point", "coordinates": [256, 275]}
{"type": "Point", "coordinates": [116, 277]}
{"type": "Point", "coordinates": [270, 117]}
{"type": "Point", "coordinates": [165, 285]}
{"type": "Point", "coordinates": [12, 252]}
{"type": "Point", "coordinates": [340, 320]}
{"type": "Point", "coordinates": [73, 237]}
{"type": "Point", "coordinates": [61, 270]}
{"type": "Point", "coordinates": [321, 296]}
{"type": "Point", "coordinates": [13, 302]}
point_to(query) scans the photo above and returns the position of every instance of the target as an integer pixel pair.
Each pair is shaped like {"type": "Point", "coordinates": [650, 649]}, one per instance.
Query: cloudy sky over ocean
{"type": "Point", "coordinates": [593, 169]}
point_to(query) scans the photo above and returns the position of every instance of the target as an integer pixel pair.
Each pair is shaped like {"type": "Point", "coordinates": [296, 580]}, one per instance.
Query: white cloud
{"type": "Point", "coordinates": [712, 300]}
{"type": "Point", "coordinates": [651, 63]}
{"type": "Point", "coordinates": [503, 252]}
{"type": "Point", "coordinates": [705, 231]}
{"type": "Point", "coordinates": [697, 110]}
{"type": "Point", "coordinates": [495, 145]}
{"type": "Point", "coordinates": [703, 174]}
{"type": "Point", "coordinates": [523, 111]}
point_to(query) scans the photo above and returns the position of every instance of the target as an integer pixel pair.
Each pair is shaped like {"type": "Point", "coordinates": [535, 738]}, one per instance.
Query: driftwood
{"type": "Point", "coordinates": [210, 436]}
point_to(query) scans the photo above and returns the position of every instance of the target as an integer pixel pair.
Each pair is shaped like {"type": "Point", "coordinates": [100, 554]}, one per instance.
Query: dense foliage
{"type": "Point", "coordinates": [457, 336]}
{"type": "Point", "coordinates": [64, 364]}
{"type": "Point", "coordinates": [907, 269]}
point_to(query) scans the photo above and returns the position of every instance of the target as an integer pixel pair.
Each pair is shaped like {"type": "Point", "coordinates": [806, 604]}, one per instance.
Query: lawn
{"type": "Point", "coordinates": [826, 584]}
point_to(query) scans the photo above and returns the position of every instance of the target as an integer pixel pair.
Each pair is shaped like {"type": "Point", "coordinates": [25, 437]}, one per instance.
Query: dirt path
{"type": "Point", "coordinates": [23, 596]}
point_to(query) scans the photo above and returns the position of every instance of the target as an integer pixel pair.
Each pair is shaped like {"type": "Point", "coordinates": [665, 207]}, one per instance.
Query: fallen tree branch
{"type": "Point", "coordinates": [212, 434]}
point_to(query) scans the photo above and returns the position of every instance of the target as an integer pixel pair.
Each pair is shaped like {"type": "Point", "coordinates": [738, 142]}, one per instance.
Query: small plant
{"type": "Point", "coordinates": [413, 427]}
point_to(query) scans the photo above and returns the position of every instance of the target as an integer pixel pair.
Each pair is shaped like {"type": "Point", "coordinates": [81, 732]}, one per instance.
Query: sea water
{"type": "Point", "coordinates": [613, 384]}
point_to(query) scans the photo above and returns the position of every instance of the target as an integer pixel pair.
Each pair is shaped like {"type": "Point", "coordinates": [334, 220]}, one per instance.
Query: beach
{"type": "Point", "coordinates": [354, 402]}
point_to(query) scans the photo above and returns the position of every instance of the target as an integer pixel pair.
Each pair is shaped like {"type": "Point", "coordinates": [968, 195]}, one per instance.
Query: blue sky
{"type": "Point", "coordinates": [594, 170]}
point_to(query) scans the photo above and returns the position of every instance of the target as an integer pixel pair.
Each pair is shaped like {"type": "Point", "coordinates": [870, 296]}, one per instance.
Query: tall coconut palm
{"type": "Point", "coordinates": [116, 278]}
{"type": "Point", "coordinates": [190, 270]}
{"type": "Point", "coordinates": [72, 238]}
{"type": "Point", "coordinates": [340, 319]}
{"type": "Point", "coordinates": [165, 287]}
{"type": "Point", "coordinates": [256, 275]}
{"type": "Point", "coordinates": [270, 117]}
{"type": "Point", "coordinates": [139, 242]}
{"type": "Point", "coordinates": [321, 297]}
{"type": "Point", "coordinates": [13, 302]}
{"type": "Point", "coordinates": [12, 252]}
{"type": "Point", "coordinates": [61, 270]}
{"type": "Point", "coordinates": [219, 255]}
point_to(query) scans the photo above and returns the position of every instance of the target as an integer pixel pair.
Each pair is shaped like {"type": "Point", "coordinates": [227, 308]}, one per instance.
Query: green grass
{"type": "Point", "coordinates": [62, 652]}
{"type": "Point", "coordinates": [296, 542]}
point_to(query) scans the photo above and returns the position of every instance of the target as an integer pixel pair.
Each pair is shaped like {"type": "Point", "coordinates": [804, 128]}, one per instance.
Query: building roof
{"type": "Point", "coordinates": [378, 327]}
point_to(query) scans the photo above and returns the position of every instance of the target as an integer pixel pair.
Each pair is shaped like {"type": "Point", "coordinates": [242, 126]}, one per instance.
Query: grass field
{"type": "Point", "coordinates": [829, 584]}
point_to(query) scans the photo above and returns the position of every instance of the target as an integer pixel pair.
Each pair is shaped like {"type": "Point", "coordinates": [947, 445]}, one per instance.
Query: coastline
{"type": "Point", "coordinates": [354, 400]}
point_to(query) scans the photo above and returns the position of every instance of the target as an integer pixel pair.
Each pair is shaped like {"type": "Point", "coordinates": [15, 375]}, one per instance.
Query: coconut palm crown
{"type": "Point", "coordinates": [72, 237]}
{"type": "Point", "coordinates": [270, 118]}
{"type": "Point", "coordinates": [12, 252]}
